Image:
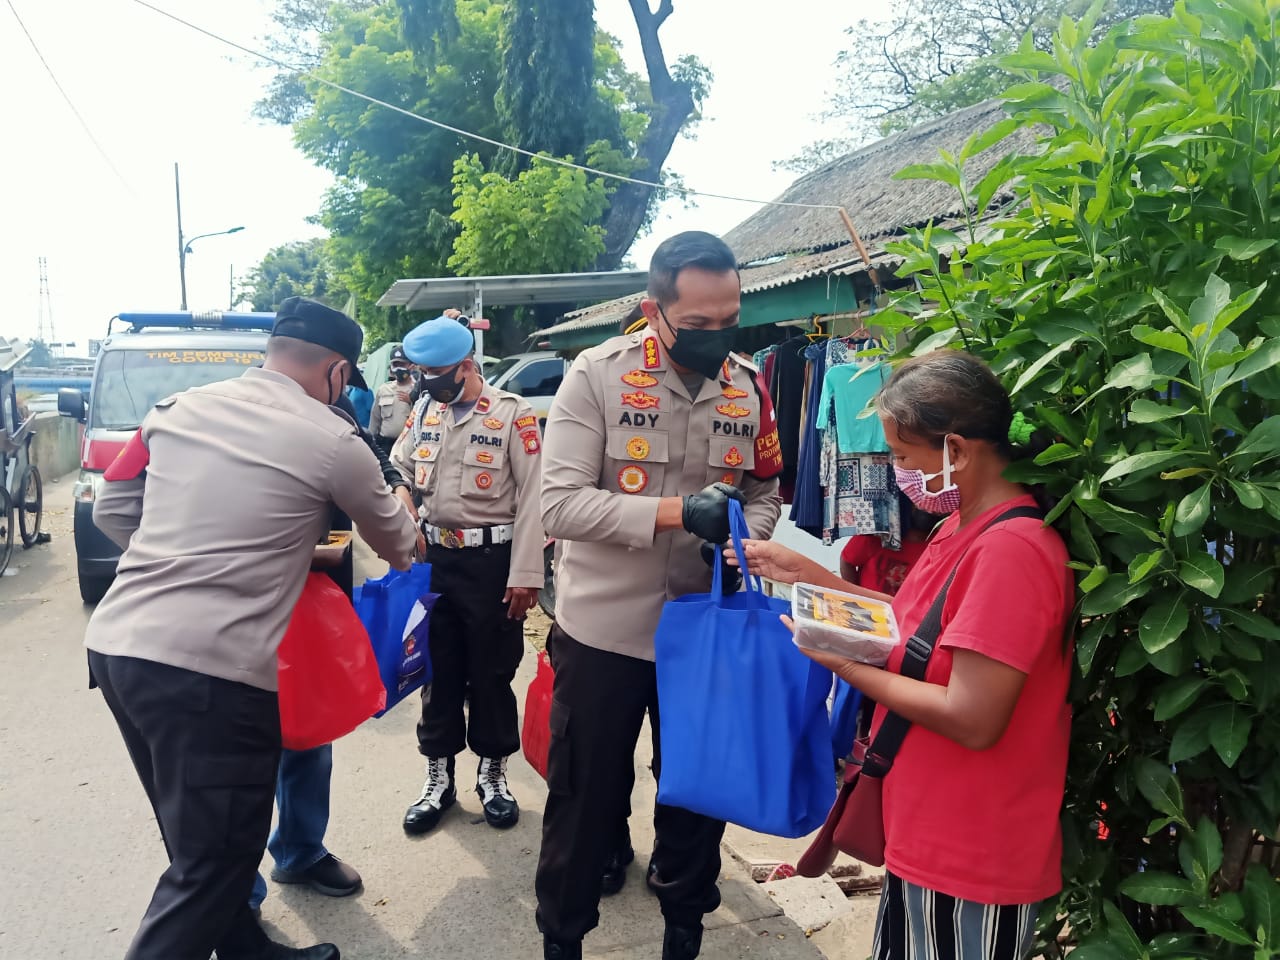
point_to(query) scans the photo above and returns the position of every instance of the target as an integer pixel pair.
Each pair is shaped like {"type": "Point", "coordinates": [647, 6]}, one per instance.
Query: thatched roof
{"type": "Point", "coordinates": [862, 182]}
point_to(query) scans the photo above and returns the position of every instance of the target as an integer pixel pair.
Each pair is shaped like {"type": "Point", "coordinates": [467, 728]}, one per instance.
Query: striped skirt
{"type": "Point", "coordinates": [918, 924]}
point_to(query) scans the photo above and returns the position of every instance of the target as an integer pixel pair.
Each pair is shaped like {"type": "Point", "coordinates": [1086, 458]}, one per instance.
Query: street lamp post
{"type": "Point", "coordinates": [184, 245]}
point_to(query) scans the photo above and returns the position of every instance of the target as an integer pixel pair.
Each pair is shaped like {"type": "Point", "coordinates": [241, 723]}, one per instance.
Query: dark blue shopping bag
{"type": "Point", "coordinates": [744, 730]}
{"type": "Point", "coordinates": [396, 612]}
{"type": "Point", "coordinates": [844, 719]}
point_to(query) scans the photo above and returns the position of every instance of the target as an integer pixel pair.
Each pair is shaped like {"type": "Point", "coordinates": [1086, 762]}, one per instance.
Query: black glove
{"type": "Point", "coordinates": [706, 514]}
{"type": "Point", "coordinates": [730, 577]}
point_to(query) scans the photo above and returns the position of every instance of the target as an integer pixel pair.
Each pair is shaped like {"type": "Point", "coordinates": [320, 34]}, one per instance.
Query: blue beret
{"type": "Point", "coordinates": [441, 342]}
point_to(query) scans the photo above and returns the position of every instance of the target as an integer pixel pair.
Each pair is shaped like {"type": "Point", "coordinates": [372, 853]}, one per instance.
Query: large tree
{"type": "Point", "coordinates": [925, 60]}
{"type": "Point", "coordinates": [297, 269]}
{"type": "Point", "coordinates": [548, 107]}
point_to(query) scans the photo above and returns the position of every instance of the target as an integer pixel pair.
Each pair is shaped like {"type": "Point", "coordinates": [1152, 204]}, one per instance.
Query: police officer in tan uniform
{"type": "Point", "coordinates": [218, 501]}
{"type": "Point", "coordinates": [649, 437]}
{"type": "Point", "coordinates": [474, 455]}
{"type": "Point", "coordinates": [392, 402]}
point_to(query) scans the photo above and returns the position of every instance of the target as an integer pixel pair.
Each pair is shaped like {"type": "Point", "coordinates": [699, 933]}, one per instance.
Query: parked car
{"type": "Point", "coordinates": [155, 356]}
{"type": "Point", "coordinates": [535, 376]}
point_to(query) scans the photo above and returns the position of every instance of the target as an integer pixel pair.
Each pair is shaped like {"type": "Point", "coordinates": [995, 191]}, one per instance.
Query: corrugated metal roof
{"type": "Point", "coordinates": [440, 293]}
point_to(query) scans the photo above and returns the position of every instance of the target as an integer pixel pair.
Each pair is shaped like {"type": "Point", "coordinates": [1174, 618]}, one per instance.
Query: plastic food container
{"type": "Point", "coordinates": [332, 550]}
{"type": "Point", "coordinates": [845, 624]}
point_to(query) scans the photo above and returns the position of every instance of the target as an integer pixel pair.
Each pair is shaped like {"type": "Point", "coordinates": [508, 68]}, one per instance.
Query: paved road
{"type": "Point", "coordinates": [81, 849]}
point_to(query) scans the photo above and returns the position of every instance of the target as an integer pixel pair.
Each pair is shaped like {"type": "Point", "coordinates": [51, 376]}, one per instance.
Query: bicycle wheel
{"type": "Point", "coordinates": [6, 528]}
{"type": "Point", "coordinates": [30, 506]}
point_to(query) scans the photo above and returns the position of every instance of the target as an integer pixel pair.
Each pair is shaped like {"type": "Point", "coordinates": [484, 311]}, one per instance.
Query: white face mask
{"type": "Point", "coordinates": [914, 483]}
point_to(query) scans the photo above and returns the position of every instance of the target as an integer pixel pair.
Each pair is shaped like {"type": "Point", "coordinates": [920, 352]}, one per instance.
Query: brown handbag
{"type": "Point", "coordinates": [855, 824]}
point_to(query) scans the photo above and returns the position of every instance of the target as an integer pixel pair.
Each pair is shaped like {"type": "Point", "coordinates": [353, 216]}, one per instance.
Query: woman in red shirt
{"type": "Point", "coordinates": [972, 802]}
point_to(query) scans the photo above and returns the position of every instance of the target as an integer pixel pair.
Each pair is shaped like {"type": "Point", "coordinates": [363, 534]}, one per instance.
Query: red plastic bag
{"type": "Point", "coordinates": [329, 680]}
{"type": "Point", "coordinates": [535, 736]}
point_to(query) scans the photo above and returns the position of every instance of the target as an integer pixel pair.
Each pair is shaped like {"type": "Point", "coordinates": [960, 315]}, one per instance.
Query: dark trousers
{"type": "Point", "coordinates": [475, 650]}
{"type": "Point", "coordinates": [206, 751]}
{"type": "Point", "coordinates": [597, 709]}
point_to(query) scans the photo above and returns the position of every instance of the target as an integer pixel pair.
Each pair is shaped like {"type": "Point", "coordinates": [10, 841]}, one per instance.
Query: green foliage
{"type": "Point", "coordinates": [297, 269]}
{"type": "Point", "coordinates": [925, 60]}
{"type": "Point", "coordinates": [1128, 297]}
{"type": "Point", "coordinates": [546, 220]}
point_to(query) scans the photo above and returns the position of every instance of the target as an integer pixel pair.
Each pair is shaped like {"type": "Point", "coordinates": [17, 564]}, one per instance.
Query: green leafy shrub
{"type": "Point", "coordinates": [1128, 297]}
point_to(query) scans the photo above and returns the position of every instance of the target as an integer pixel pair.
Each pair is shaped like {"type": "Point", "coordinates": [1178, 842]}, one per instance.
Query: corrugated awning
{"type": "Point", "coordinates": [441, 293]}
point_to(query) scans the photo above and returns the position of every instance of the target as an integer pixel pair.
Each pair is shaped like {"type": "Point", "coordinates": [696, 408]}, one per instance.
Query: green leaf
{"type": "Point", "coordinates": [1087, 645]}
{"type": "Point", "coordinates": [1158, 888]}
{"type": "Point", "coordinates": [942, 172]}
{"type": "Point", "coordinates": [1184, 473]}
{"type": "Point", "coordinates": [1133, 373]}
{"type": "Point", "coordinates": [1177, 695]}
{"type": "Point", "coordinates": [1202, 572]}
{"type": "Point", "coordinates": [1192, 512]}
{"type": "Point", "coordinates": [1254, 624]}
{"type": "Point", "coordinates": [1157, 783]}
{"type": "Point", "coordinates": [1206, 846]}
{"type": "Point", "coordinates": [1264, 358]}
{"type": "Point", "coordinates": [1241, 248]}
{"type": "Point", "coordinates": [1148, 411]}
{"type": "Point", "coordinates": [1114, 594]}
{"type": "Point", "coordinates": [1056, 454]}
{"type": "Point", "coordinates": [1229, 732]}
{"type": "Point", "coordinates": [1144, 564]}
{"type": "Point", "coordinates": [1139, 462]}
{"type": "Point", "coordinates": [1235, 683]}
{"type": "Point", "coordinates": [1192, 736]}
{"type": "Point", "coordinates": [1115, 519]}
{"type": "Point", "coordinates": [1169, 340]}
{"type": "Point", "coordinates": [1174, 312]}
{"type": "Point", "coordinates": [1250, 497]}
{"type": "Point", "coordinates": [1162, 623]}
{"type": "Point", "coordinates": [1213, 924]}
{"type": "Point", "coordinates": [1118, 927]}
{"type": "Point", "coordinates": [1030, 373]}
{"type": "Point", "coordinates": [936, 341]}
{"type": "Point", "coordinates": [1262, 903]}
{"type": "Point", "coordinates": [1094, 579]}
{"type": "Point", "coordinates": [988, 138]}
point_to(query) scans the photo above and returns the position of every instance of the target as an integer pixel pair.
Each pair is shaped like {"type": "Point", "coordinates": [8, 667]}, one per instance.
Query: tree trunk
{"type": "Point", "coordinates": [673, 105]}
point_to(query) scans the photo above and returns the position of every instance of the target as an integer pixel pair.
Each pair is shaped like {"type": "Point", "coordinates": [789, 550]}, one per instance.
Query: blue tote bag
{"type": "Point", "coordinates": [744, 730]}
{"type": "Point", "coordinates": [386, 607]}
{"type": "Point", "coordinates": [844, 719]}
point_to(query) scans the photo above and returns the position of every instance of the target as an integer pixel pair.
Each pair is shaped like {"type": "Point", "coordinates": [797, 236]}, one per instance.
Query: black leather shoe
{"type": "Point", "coordinates": [560, 950]}
{"type": "Point", "coordinates": [500, 808]}
{"type": "Point", "coordinates": [278, 951]}
{"type": "Point", "coordinates": [615, 871]}
{"type": "Point", "coordinates": [438, 794]}
{"type": "Point", "coordinates": [681, 943]}
{"type": "Point", "coordinates": [328, 875]}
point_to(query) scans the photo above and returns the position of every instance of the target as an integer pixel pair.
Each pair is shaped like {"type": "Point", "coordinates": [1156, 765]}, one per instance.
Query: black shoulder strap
{"type": "Point", "coordinates": [915, 660]}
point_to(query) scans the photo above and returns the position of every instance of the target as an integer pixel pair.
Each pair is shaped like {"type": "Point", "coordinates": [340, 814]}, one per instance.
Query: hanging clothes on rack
{"type": "Point", "coordinates": [787, 386]}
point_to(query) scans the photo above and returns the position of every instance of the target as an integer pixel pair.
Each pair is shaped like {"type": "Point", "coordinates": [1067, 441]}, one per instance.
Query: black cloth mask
{"type": "Point", "coordinates": [702, 351]}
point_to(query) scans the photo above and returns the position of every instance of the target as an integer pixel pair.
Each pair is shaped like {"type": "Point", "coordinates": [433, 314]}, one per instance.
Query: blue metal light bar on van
{"type": "Point", "coordinates": [189, 319]}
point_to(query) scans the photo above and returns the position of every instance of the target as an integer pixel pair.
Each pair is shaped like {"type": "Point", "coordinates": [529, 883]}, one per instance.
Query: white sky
{"type": "Point", "coordinates": [154, 92]}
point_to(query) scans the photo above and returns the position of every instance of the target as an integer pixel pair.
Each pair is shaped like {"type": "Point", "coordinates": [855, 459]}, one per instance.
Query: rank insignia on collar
{"type": "Point", "coordinates": [638, 448]}
{"type": "Point", "coordinates": [638, 378]}
{"type": "Point", "coordinates": [731, 409]}
{"type": "Point", "coordinates": [734, 458]}
{"type": "Point", "coordinates": [632, 479]}
{"type": "Point", "coordinates": [733, 393]}
{"type": "Point", "coordinates": [484, 480]}
{"type": "Point", "coordinates": [725, 375]}
{"type": "Point", "coordinates": [652, 359]}
{"type": "Point", "coordinates": [482, 405]}
{"type": "Point", "coordinates": [493, 423]}
{"type": "Point", "coordinates": [640, 400]}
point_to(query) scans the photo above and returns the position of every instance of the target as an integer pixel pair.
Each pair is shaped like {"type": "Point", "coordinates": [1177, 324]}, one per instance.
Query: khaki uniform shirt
{"type": "Point", "coordinates": [390, 413]}
{"type": "Point", "coordinates": [218, 502]}
{"type": "Point", "coordinates": [480, 471]}
{"type": "Point", "coordinates": [624, 432]}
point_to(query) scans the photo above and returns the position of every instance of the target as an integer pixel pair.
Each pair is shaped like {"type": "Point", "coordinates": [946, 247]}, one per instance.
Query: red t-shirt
{"type": "Point", "coordinates": [984, 825]}
{"type": "Point", "coordinates": [879, 568]}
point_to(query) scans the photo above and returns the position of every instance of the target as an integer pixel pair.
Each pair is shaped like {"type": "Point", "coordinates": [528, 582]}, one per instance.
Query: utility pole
{"type": "Point", "coordinates": [46, 333]}
{"type": "Point", "coordinates": [182, 244]}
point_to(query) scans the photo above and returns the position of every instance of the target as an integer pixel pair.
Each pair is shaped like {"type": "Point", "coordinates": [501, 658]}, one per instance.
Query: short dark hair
{"type": "Point", "coordinates": [948, 392]}
{"type": "Point", "coordinates": [693, 248]}
{"type": "Point", "coordinates": [630, 319]}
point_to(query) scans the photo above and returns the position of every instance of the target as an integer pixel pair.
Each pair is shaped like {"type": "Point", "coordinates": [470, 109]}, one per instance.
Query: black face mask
{"type": "Point", "coordinates": [702, 351]}
{"type": "Point", "coordinates": [402, 375]}
{"type": "Point", "coordinates": [328, 378]}
{"type": "Point", "coordinates": [444, 388]}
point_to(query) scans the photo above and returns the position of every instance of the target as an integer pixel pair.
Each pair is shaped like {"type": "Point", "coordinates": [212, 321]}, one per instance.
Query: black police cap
{"type": "Point", "coordinates": [301, 319]}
